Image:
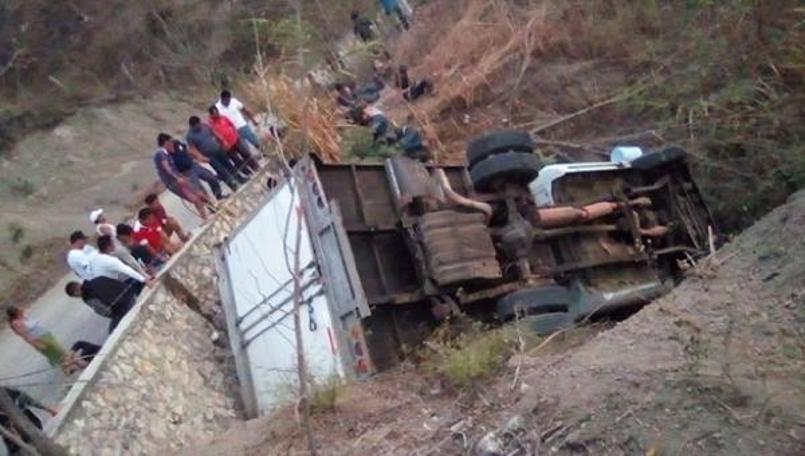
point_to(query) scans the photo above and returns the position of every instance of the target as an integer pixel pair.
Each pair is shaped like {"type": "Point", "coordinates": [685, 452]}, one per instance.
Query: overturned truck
{"type": "Point", "coordinates": [390, 249]}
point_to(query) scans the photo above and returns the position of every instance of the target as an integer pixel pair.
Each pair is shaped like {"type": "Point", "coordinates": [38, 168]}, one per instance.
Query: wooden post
{"type": "Point", "coordinates": [301, 364]}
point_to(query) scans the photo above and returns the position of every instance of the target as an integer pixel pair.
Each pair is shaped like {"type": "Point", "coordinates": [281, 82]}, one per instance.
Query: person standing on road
{"type": "Point", "coordinates": [24, 403]}
{"type": "Point", "coordinates": [230, 142]}
{"type": "Point", "coordinates": [106, 297]}
{"type": "Point", "coordinates": [122, 253]}
{"type": "Point", "coordinates": [102, 226]}
{"type": "Point", "coordinates": [32, 332]}
{"type": "Point", "coordinates": [200, 139]}
{"type": "Point", "coordinates": [170, 225]}
{"type": "Point", "coordinates": [105, 265]}
{"type": "Point", "coordinates": [148, 233]}
{"type": "Point", "coordinates": [175, 182]}
{"type": "Point", "coordinates": [234, 110]}
{"type": "Point", "coordinates": [79, 255]}
{"type": "Point", "coordinates": [143, 254]}
{"type": "Point", "coordinates": [188, 165]}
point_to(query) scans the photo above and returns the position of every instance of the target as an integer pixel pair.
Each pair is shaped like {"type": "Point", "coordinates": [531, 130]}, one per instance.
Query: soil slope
{"type": "Point", "coordinates": [715, 367]}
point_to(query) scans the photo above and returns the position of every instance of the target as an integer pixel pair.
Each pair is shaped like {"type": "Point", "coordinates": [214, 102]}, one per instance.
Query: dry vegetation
{"type": "Point", "coordinates": [58, 56]}
{"type": "Point", "coordinates": [725, 79]}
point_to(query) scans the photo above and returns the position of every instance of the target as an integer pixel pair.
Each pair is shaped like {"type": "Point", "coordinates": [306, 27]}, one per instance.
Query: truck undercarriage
{"type": "Point", "coordinates": [508, 236]}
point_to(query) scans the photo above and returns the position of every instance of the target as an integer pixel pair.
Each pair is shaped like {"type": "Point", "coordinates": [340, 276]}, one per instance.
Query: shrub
{"type": "Point", "coordinates": [324, 396]}
{"type": "Point", "coordinates": [16, 232]}
{"type": "Point", "coordinates": [358, 144]}
{"type": "Point", "coordinates": [476, 354]}
{"type": "Point", "coordinates": [26, 253]}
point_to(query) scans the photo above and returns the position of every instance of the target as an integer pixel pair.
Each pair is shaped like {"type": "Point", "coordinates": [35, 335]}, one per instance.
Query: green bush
{"type": "Point", "coordinates": [16, 232]}
{"type": "Point", "coordinates": [476, 354]}
{"type": "Point", "coordinates": [358, 144]}
{"type": "Point", "coordinates": [26, 253]}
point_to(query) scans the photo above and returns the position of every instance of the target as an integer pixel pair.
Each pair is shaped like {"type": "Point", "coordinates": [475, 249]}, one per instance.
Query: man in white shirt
{"type": "Point", "coordinates": [104, 264]}
{"type": "Point", "coordinates": [232, 108]}
{"type": "Point", "coordinates": [78, 258]}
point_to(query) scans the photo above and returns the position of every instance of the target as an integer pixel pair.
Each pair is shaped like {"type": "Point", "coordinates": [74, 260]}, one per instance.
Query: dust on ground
{"type": "Point", "coordinates": [715, 367]}
{"type": "Point", "coordinates": [50, 180]}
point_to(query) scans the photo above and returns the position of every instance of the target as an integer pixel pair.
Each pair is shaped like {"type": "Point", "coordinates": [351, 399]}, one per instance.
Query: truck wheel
{"type": "Point", "coordinates": [531, 301]}
{"type": "Point", "coordinates": [546, 324]}
{"type": "Point", "coordinates": [498, 142]}
{"type": "Point", "coordinates": [519, 167]}
{"type": "Point", "coordinates": [660, 158]}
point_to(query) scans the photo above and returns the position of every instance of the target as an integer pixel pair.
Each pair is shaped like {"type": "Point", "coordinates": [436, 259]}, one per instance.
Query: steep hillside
{"type": "Point", "coordinates": [58, 56]}
{"type": "Point", "coordinates": [725, 79]}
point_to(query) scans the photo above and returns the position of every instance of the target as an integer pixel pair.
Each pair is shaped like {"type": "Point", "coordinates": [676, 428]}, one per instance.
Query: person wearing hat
{"type": "Point", "coordinates": [78, 258]}
{"type": "Point", "coordinates": [102, 226]}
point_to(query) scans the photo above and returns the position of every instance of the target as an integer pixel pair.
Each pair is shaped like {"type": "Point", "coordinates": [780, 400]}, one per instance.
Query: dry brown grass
{"type": "Point", "coordinates": [311, 121]}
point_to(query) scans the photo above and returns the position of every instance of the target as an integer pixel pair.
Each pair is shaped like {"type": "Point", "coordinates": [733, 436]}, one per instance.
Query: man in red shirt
{"type": "Point", "coordinates": [169, 224]}
{"type": "Point", "coordinates": [227, 135]}
{"type": "Point", "coordinates": [149, 234]}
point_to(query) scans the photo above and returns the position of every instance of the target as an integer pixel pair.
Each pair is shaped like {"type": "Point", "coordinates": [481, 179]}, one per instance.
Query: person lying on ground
{"type": "Point", "coordinates": [106, 297]}
{"type": "Point", "coordinates": [393, 7]}
{"type": "Point", "coordinates": [175, 181]}
{"type": "Point", "coordinates": [234, 110]}
{"type": "Point", "coordinates": [24, 403]}
{"type": "Point", "coordinates": [105, 265]}
{"type": "Point", "coordinates": [102, 226]}
{"type": "Point", "coordinates": [79, 255]}
{"type": "Point", "coordinates": [170, 225]}
{"type": "Point", "coordinates": [409, 140]}
{"type": "Point", "coordinates": [383, 66]}
{"type": "Point", "coordinates": [411, 88]}
{"type": "Point", "coordinates": [188, 164]}
{"type": "Point", "coordinates": [362, 27]}
{"type": "Point", "coordinates": [345, 97]}
{"type": "Point", "coordinates": [230, 142]}
{"type": "Point", "coordinates": [148, 233]}
{"type": "Point", "coordinates": [370, 92]}
{"type": "Point", "coordinates": [32, 332]}
{"type": "Point", "coordinates": [142, 253]}
{"type": "Point", "coordinates": [371, 116]}
{"type": "Point", "coordinates": [201, 140]}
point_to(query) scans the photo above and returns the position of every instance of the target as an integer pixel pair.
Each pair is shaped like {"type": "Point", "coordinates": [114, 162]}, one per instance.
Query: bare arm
{"type": "Point", "coordinates": [119, 267]}
{"type": "Point", "coordinates": [19, 328]}
{"type": "Point", "coordinates": [166, 167]}
{"type": "Point", "coordinates": [249, 114]}
{"type": "Point", "coordinates": [196, 155]}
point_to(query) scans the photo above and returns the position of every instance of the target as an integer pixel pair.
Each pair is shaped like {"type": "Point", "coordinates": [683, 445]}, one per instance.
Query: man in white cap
{"type": "Point", "coordinates": [102, 227]}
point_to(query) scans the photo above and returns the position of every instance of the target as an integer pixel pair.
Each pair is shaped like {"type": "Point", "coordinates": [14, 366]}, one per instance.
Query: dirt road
{"type": "Point", "coordinates": [69, 320]}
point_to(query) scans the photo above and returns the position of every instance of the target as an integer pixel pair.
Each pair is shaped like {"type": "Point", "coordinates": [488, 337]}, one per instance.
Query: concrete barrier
{"type": "Point", "coordinates": [161, 379]}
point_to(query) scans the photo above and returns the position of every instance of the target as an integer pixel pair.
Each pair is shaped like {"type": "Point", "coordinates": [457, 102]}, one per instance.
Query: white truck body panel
{"type": "Point", "coordinates": [254, 263]}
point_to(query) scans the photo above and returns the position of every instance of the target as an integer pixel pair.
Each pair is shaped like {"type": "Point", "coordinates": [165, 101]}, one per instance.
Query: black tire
{"type": "Point", "coordinates": [498, 142]}
{"type": "Point", "coordinates": [549, 323]}
{"type": "Point", "coordinates": [514, 166]}
{"type": "Point", "coordinates": [672, 154]}
{"type": "Point", "coordinates": [531, 301]}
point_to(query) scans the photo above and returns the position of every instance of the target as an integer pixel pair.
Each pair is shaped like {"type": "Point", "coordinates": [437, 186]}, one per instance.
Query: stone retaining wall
{"type": "Point", "coordinates": [163, 377]}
